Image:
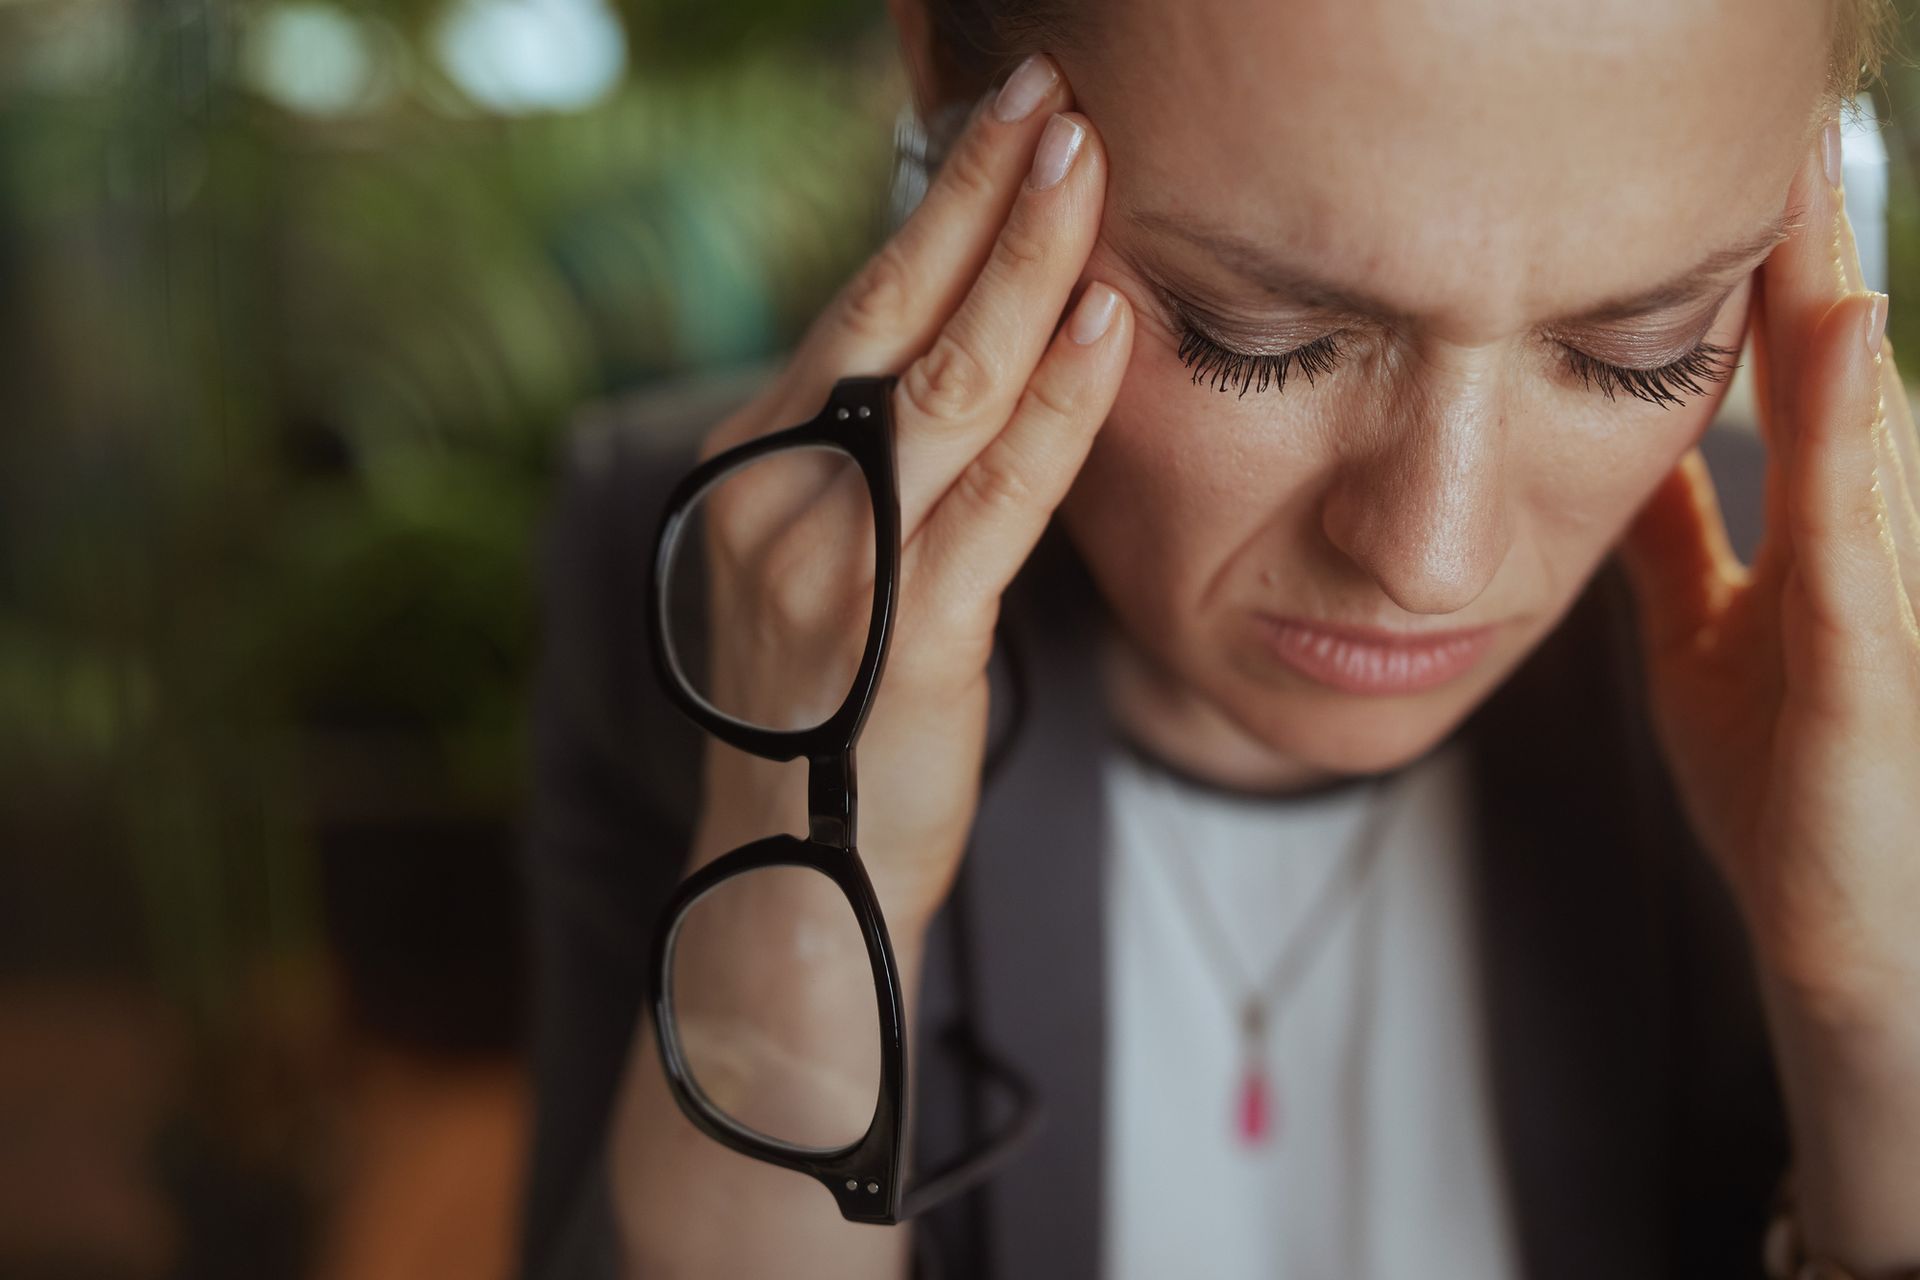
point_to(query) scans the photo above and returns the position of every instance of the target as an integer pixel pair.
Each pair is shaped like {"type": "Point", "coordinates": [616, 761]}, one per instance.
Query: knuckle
{"type": "Point", "coordinates": [785, 584]}
{"type": "Point", "coordinates": [947, 383]}
{"type": "Point", "coordinates": [731, 502]}
{"type": "Point", "coordinates": [815, 580]}
{"type": "Point", "coordinates": [878, 298]}
{"type": "Point", "coordinates": [1021, 247]}
{"type": "Point", "coordinates": [724, 526]}
{"type": "Point", "coordinates": [968, 168]}
{"type": "Point", "coordinates": [994, 483]}
{"type": "Point", "coordinates": [1864, 514]}
{"type": "Point", "coordinates": [1050, 400]}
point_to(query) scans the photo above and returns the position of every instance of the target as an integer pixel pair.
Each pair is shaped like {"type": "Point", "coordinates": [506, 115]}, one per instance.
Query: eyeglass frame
{"type": "Point", "coordinates": [865, 1176]}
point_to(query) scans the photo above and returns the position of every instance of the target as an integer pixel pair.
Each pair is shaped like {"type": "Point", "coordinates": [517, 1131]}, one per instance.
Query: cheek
{"type": "Point", "coordinates": [1182, 477]}
{"type": "Point", "coordinates": [1590, 473]}
{"type": "Point", "coordinates": [1583, 487]}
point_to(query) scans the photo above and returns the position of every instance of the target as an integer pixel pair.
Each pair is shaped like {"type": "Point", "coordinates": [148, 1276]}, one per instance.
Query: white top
{"type": "Point", "coordinates": [1381, 1160]}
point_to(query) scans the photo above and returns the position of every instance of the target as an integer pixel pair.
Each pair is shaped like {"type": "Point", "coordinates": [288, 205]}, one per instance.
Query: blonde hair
{"type": "Point", "coordinates": [1864, 35]}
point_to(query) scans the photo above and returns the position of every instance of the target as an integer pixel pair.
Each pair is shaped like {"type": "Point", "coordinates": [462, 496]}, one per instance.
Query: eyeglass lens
{"type": "Point", "coordinates": [805, 1070]}
{"type": "Point", "coordinates": [777, 557]}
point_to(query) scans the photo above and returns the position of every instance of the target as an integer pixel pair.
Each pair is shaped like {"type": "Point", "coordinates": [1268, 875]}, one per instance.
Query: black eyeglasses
{"type": "Point", "coordinates": [865, 1174]}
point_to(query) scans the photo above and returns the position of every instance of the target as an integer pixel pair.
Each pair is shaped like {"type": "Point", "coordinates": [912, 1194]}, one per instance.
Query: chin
{"type": "Point", "coordinates": [1357, 740]}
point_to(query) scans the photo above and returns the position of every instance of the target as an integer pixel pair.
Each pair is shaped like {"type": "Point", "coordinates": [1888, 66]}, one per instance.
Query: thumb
{"type": "Point", "coordinates": [1678, 558]}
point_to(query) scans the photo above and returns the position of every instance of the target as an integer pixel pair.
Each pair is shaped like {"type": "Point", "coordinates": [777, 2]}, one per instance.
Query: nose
{"type": "Point", "coordinates": [1425, 513]}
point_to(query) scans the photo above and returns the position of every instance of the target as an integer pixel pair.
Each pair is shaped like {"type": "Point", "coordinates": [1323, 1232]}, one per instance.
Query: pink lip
{"type": "Point", "coordinates": [1363, 660]}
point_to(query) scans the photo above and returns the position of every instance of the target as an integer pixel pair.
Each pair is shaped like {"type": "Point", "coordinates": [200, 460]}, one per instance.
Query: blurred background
{"type": "Point", "coordinates": [297, 300]}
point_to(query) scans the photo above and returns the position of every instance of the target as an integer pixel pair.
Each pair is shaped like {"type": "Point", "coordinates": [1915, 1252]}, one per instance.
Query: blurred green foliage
{"type": "Point", "coordinates": [292, 321]}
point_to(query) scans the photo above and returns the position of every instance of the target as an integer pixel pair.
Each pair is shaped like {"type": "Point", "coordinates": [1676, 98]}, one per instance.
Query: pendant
{"type": "Point", "coordinates": [1257, 1113]}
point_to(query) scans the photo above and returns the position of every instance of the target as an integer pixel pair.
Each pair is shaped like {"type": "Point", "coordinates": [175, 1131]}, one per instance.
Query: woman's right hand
{"type": "Point", "coordinates": [994, 413]}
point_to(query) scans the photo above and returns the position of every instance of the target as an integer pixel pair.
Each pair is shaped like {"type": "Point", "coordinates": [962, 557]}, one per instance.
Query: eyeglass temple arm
{"type": "Point", "coordinates": [973, 1166]}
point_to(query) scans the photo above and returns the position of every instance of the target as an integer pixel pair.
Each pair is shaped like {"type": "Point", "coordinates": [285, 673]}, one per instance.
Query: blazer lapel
{"type": "Point", "coordinates": [1035, 901]}
{"type": "Point", "coordinates": [1571, 950]}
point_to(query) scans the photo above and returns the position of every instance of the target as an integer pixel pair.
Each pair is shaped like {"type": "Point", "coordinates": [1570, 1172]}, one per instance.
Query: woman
{"type": "Point", "coordinates": [1472, 278]}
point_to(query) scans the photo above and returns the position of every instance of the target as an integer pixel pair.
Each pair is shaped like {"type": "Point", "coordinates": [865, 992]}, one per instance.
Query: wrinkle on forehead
{"type": "Point", "coordinates": [1493, 159]}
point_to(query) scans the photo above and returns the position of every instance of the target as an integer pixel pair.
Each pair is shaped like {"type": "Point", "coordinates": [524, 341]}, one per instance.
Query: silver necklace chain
{"type": "Point", "coordinates": [1340, 889]}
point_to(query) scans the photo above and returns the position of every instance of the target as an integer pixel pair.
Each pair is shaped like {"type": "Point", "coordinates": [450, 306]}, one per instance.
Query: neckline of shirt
{"type": "Point", "coordinates": [1314, 795]}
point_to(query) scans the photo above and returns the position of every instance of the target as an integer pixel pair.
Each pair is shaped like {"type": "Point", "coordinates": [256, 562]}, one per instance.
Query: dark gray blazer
{"type": "Point", "coordinates": [1637, 1105]}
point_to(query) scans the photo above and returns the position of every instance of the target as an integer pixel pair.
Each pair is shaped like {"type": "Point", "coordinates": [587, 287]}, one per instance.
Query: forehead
{"type": "Point", "coordinates": [1527, 153]}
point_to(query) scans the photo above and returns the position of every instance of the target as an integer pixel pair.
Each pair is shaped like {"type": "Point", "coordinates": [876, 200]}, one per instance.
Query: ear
{"type": "Point", "coordinates": [910, 18]}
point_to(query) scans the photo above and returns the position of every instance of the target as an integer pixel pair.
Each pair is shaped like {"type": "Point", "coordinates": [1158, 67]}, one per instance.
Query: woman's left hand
{"type": "Point", "coordinates": [1787, 701]}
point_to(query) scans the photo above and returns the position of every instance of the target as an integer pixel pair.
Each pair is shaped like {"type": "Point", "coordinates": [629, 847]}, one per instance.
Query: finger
{"type": "Point", "coordinates": [1678, 557]}
{"type": "Point", "coordinates": [1847, 569]}
{"type": "Point", "coordinates": [893, 308]}
{"type": "Point", "coordinates": [1810, 304]}
{"type": "Point", "coordinates": [756, 503]}
{"type": "Point", "coordinates": [986, 524]}
{"type": "Point", "coordinates": [1759, 359]}
{"type": "Point", "coordinates": [1899, 411]}
{"type": "Point", "coordinates": [1770, 559]}
{"type": "Point", "coordinates": [1801, 279]}
{"type": "Point", "coordinates": [1897, 448]}
{"type": "Point", "coordinates": [957, 396]}
{"type": "Point", "coordinates": [1846, 253]}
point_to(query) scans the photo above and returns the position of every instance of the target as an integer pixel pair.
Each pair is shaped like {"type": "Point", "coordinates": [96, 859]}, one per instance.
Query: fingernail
{"type": "Point", "coordinates": [1030, 82]}
{"type": "Point", "coordinates": [1058, 146]}
{"type": "Point", "coordinates": [1094, 314]}
{"type": "Point", "coordinates": [1830, 151]}
{"type": "Point", "coordinates": [1876, 323]}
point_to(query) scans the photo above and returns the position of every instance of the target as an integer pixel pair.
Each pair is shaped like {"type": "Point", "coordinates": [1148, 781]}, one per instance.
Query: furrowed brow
{"type": "Point", "coordinates": [1307, 288]}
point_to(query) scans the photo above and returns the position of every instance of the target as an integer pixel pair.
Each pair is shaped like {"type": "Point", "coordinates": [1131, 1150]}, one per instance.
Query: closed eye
{"type": "Point", "coordinates": [1222, 368]}
{"type": "Point", "coordinates": [1662, 385]}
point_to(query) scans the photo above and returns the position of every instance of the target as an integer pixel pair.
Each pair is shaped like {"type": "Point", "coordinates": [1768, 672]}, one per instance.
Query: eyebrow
{"type": "Point", "coordinates": [1305, 287]}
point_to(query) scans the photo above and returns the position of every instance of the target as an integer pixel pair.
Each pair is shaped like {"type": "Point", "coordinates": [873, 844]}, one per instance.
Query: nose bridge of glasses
{"type": "Point", "coordinates": [831, 799]}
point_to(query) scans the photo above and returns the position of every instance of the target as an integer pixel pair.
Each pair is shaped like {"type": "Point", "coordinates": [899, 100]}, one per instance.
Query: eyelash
{"type": "Point", "coordinates": [1213, 363]}
{"type": "Point", "coordinates": [1222, 368]}
{"type": "Point", "coordinates": [1659, 386]}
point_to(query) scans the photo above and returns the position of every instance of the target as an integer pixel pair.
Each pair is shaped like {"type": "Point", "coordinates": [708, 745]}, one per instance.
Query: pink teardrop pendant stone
{"type": "Point", "coordinates": [1256, 1112]}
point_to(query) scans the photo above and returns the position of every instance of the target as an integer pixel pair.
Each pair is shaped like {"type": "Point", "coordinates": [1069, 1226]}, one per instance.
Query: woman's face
{"type": "Point", "coordinates": [1453, 195]}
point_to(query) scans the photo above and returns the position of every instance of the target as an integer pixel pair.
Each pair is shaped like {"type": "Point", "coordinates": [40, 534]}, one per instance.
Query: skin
{"type": "Point", "coordinates": [1487, 173]}
{"type": "Point", "coordinates": [1451, 471]}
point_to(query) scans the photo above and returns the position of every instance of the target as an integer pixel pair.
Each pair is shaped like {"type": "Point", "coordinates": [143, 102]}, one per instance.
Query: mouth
{"type": "Point", "coordinates": [1366, 660]}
